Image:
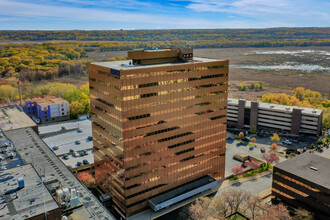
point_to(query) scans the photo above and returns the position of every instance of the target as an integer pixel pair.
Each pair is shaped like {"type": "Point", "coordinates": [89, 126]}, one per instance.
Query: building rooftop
{"type": "Point", "coordinates": [33, 150]}
{"type": "Point", "coordinates": [31, 200]}
{"type": "Point", "coordinates": [125, 64]}
{"type": "Point", "coordinates": [282, 108]}
{"type": "Point", "coordinates": [14, 117]}
{"type": "Point", "coordinates": [304, 165]}
{"type": "Point", "coordinates": [65, 135]}
{"type": "Point", "coordinates": [46, 100]}
{"type": "Point", "coordinates": [8, 156]}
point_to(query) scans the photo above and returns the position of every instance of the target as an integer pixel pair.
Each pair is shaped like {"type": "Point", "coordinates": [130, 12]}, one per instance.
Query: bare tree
{"type": "Point", "coordinates": [199, 209]}
{"type": "Point", "coordinates": [275, 212]}
{"type": "Point", "coordinates": [254, 206]}
{"type": "Point", "coordinates": [229, 202]}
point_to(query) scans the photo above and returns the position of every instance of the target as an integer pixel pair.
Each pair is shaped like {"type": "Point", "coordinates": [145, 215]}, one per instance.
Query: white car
{"type": "Point", "coordinates": [287, 142]}
{"type": "Point", "coordinates": [76, 154]}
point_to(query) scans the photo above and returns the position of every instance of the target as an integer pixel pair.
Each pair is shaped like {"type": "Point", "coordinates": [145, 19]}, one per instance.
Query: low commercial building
{"type": "Point", "coordinates": [32, 150]}
{"type": "Point", "coordinates": [13, 117]}
{"type": "Point", "coordinates": [290, 119]}
{"type": "Point", "coordinates": [47, 109]}
{"type": "Point", "coordinates": [22, 147]}
{"type": "Point", "coordinates": [23, 195]}
{"type": "Point", "coordinates": [303, 181]}
{"type": "Point", "coordinates": [71, 142]}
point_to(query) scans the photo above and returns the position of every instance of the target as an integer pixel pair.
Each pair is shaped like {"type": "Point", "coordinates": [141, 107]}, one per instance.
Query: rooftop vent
{"type": "Point", "coordinates": [313, 111]}
{"type": "Point", "coordinates": [271, 106]}
{"type": "Point", "coordinates": [313, 168]}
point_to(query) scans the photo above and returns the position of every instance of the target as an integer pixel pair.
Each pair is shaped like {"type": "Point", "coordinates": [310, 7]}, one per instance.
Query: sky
{"type": "Point", "coordinates": [161, 14]}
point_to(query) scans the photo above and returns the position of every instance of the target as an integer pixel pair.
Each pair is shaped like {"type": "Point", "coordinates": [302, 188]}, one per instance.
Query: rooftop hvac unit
{"type": "Point", "coordinates": [20, 181]}
{"type": "Point", "coordinates": [74, 201]}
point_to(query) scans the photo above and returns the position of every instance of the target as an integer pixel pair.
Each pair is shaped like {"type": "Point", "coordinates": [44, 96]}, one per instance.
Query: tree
{"type": "Point", "coordinates": [242, 87]}
{"type": "Point", "coordinates": [240, 135]}
{"type": "Point", "coordinates": [270, 158]}
{"type": "Point", "coordinates": [237, 170]}
{"type": "Point", "coordinates": [302, 214]}
{"type": "Point", "coordinates": [254, 205]}
{"type": "Point", "coordinates": [197, 209]}
{"type": "Point", "coordinates": [228, 202]}
{"type": "Point", "coordinates": [276, 212]}
{"type": "Point", "coordinates": [253, 129]}
{"type": "Point", "coordinates": [87, 179]}
{"type": "Point", "coordinates": [253, 140]}
{"type": "Point", "coordinates": [275, 138]}
{"type": "Point", "coordinates": [274, 147]}
{"type": "Point", "coordinates": [8, 92]}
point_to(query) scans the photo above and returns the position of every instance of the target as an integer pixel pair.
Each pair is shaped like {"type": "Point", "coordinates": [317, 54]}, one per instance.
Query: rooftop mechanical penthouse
{"type": "Point", "coordinates": [159, 123]}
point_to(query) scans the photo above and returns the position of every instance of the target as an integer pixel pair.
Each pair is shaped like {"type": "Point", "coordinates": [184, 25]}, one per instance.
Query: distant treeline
{"type": "Point", "coordinates": [272, 34]}
{"type": "Point", "coordinates": [38, 61]}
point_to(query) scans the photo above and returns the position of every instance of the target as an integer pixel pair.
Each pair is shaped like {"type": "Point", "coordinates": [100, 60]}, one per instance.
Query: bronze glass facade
{"type": "Point", "coordinates": [157, 127]}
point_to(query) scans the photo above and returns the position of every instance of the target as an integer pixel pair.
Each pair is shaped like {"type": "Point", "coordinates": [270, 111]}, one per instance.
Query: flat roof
{"type": "Point", "coordinates": [33, 150]}
{"type": "Point", "coordinates": [124, 64]}
{"type": "Point", "coordinates": [46, 100]}
{"type": "Point", "coordinates": [8, 149]}
{"type": "Point", "coordinates": [32, 200]}
{"type": "Point", "coordinates": [65, 140]}
{"type": "Point", "coordinates": [14, 117]}
{"type": "Point", "coordinates": [283, 108]}
{"type": "Point", "coordinates": [301, 166]}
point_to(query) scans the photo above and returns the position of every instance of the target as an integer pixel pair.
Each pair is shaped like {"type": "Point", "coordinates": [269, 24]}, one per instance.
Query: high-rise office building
{"type": "Point", "coordinates": [159, 122]}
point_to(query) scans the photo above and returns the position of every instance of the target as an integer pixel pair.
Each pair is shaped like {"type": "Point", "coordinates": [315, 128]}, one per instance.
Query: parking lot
{"type": "Point", "coordinates": [237, 147]}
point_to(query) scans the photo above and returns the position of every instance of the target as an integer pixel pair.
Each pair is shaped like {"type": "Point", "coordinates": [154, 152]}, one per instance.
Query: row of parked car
{"type": "Point", "coordinates": [75, 154]}
{"type": "Point", "coordinates": [85, 162]}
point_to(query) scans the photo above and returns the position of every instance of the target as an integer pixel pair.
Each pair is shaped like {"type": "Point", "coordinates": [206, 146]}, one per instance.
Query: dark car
{"type": "Point", "coordinates": [71, 150]}
{"type": "Point", "coordinates": [79, 163]}
{"type": "Point", "coordinates": [81, 153]}
{"type": "Point", "coordinates": [246, 139]}
{"type": "Point", "coordinates": [85, 152]}
{"type": "Point", "coordinates": [90, 138]}
{"type": "Point", "coordinates": [78, 142]}
{"type": "Point", "coordinates": [85, 162]}
{"type": "Point", "coordinates": [65, 157]}
{"type": "Point", "coordinates": [262, 150]}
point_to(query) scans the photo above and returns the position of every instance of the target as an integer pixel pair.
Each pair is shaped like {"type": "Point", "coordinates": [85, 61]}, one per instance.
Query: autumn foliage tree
{"type": "Point", "coordinates": [87, 179]}
{"type": "Point", "coordinates": [237, 170]}
{"type": "Point", "coordinates": [275, 138]}
{"type": "Point", "coordinates": [253, 140]}
{"type": "Point", "coordinates": [270, 158]}
{"type": "Point", "coordinates": [240, 135]}
{"type": "Point", "coordinates": [274, 147]}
